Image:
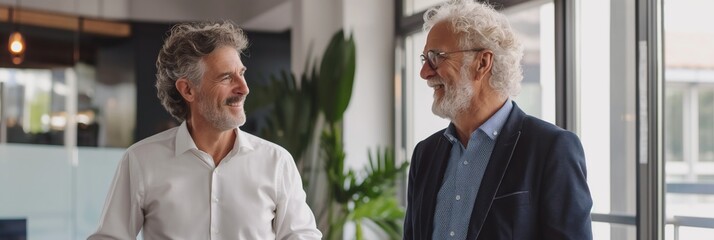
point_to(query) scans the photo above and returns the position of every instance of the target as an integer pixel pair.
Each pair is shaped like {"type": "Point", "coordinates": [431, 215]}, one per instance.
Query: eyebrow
{"type": "Point", "coordinates": [228, 73]}
{"type": "Point", "coordinates": [435, 50]}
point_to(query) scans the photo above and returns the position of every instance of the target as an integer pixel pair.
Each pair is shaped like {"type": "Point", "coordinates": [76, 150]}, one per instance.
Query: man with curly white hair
{"type": "Point", "coordinates": [494, 172]}
{"type": "Point", "coordinates": [205, 179]}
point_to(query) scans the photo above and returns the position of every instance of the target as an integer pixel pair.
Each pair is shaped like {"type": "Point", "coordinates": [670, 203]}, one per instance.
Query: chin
{"type": "Point", "coordinates": [240, 120]}
{"type": "Point", "coordinates": [437, 110]}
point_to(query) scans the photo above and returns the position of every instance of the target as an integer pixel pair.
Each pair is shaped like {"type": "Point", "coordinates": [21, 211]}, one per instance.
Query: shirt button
{"type": "Point", "coordinates": [215, 199]}
{"type": "Point", "coordinates": [495, 133]}
{"type": "Point", "coordinates": [466, 162]}
{"type": "Point", "coordinates": [214, 230]}
{"type": "Point", "coordinates": [452, 233]}
{"type": "Point", "coordinates": [458, 197]}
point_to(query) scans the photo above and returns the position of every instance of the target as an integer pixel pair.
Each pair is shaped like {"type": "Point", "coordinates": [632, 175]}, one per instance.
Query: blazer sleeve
{"type": "Point", "coordinates": [566, 201]}
{"type": "Point", "coordinates": [408, 219]}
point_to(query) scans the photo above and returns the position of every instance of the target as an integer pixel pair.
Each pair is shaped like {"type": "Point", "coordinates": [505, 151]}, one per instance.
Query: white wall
{"type": "Point", "coordinates": [314, 22]}
{"type": "Point", "coordinates": [369, 120]}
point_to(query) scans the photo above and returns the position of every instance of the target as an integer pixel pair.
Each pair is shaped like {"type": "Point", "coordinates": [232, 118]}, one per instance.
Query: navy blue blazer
{"type": "Point", "coordinates": [534, 186]}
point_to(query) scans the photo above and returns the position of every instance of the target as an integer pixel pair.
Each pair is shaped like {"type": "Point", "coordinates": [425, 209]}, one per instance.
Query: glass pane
{"type": "Point", "coordinates": [606, 108]}
{"type": "Point", "coordinates": [689, 88]}
{"type": "Point", "coordinates": [34, 105]}
{"type": "Point", "coordinates": [602, 231]}
{"type": "Point", "coordinates": [674, 123]}
{"type": "Point", "coordinates": [416, 6]}
{"type": "Point", "coordinates": [534, 24]}
{"type": "Point", "coordinates": [35, 185]}
{"type": "Point", "coordinates": [706, 124]}
{"type": "Point", "coordinates": [688, 233]}
{"type": "Point", "coordinates": [94, 175]}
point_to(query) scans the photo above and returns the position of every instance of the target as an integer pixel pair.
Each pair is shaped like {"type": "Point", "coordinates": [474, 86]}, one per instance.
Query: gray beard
{"type": "Point", "coordinates": [219, 119]}
{"type": "Point", "coordinates": [456, 99]}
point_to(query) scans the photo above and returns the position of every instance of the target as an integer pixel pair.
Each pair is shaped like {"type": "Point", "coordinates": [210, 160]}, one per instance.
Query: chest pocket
{"type": "Point", "coordinates": [508, 217]}
{"type": "Point", "coordinates": [513, 199]}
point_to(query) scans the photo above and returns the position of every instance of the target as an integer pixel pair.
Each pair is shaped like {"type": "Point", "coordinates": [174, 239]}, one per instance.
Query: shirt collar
{"type": "Point", "coordinates": [492, 126]}
{"type": "Point", "coordinates": [184, 141]}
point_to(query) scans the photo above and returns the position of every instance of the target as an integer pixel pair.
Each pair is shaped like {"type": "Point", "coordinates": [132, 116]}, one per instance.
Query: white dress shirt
{"type": "Point", "coordinates": [169, 189]}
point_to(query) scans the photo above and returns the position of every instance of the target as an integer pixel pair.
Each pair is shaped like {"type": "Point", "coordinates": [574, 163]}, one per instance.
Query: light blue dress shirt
{"type": "Point", "coordinates": [463, 176]}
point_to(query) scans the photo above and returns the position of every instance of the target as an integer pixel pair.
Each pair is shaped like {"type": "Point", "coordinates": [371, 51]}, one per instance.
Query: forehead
{"type": "Point", "coordinates": [222, 59]}
{"type": "Point", "coordinates": [441, 37]}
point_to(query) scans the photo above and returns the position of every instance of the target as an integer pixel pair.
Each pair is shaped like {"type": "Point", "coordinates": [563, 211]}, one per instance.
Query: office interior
{"type": "Point", "coordinates": [634, 79]}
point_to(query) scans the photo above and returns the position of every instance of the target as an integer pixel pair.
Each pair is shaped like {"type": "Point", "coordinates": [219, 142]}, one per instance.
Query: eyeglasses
{"type": "Point", "coordinates": [435, 58]}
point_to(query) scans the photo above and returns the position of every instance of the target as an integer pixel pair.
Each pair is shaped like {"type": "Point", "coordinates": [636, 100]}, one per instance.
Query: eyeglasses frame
{"type": "Point", "coordinates": [433, 64]}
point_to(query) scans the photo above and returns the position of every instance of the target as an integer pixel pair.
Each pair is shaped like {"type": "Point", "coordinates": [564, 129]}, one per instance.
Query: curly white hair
{"type": "Point", "coordinates": [481, 26]}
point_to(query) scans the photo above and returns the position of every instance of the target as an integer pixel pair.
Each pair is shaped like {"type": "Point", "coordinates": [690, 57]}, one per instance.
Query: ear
{"type": "Point", "coordinates": [186, 89]}
{"type": "Point", "coordinates": [484, 63]}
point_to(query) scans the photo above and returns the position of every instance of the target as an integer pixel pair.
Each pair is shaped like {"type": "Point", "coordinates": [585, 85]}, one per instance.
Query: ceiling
{"type": "Point", "coordinates": [263, 15]}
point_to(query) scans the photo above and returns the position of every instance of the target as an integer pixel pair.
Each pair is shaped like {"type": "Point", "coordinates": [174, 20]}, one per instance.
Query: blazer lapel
{"type": "Point", "coordinates": [436, 169]}
{"type": "Point", "coordinates": [497, 166]}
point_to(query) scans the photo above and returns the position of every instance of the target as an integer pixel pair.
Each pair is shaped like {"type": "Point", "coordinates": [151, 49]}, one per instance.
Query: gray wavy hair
{"type": "Point", "coordinates": [480, 24]}
{"type": "Point", "coordinates": [182, 54]}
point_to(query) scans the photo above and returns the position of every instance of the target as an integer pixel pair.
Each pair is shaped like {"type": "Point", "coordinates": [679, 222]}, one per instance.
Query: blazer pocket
{"type": "Point", "coordinates": [514, 199]}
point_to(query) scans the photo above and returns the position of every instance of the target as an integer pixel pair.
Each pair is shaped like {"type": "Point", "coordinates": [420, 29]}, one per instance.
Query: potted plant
{"type": "Point", "coordinates": [296, 114]}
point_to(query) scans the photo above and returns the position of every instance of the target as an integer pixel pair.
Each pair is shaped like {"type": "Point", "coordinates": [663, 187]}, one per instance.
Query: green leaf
{"type": "Point", "coordinates": [384, 211]}
{"type": "Point", "coordinates": [336, 77]}
{"type": "Point", "coordinates": [292, 112]}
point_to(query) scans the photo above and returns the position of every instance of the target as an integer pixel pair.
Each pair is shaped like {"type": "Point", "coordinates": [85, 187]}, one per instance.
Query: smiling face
{"type": "Point", "coordinates": [451, 81]}
{"type": "Point", "coordinates": [222, 91]}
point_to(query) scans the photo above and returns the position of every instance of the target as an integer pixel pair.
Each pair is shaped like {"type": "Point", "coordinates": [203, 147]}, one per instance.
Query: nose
{"type": "Point", "coordinates": [426, 71]}
{"type": "Point", "coordinates": [241, 86]}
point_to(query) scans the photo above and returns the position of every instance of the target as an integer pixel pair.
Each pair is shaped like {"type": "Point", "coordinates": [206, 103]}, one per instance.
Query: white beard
{"type": "Point", "coordinates": [456, 99]}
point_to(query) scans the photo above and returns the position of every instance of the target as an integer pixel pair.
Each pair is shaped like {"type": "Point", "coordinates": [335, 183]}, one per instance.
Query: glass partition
{"type": "Point", "coordinates": [58, 201]}
{"type": "Point", "coordinates": [689, 118]}
{"type": "Point", "coordinates": [415, 6]}
{"type": "Point", "coordinates": [37, 188]}
{"type": "Point", "coordinates": [34, 102]}
{"type": "Point", "coordinates": [606, 115]}
{"type": "Point", "coordinates": [57, 189]}
{"type": "Point", "coordinates": [534, 24]}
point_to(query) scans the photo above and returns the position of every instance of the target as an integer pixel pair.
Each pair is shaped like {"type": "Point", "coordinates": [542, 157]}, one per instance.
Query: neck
{"type": "Point", "coordinates": [215, 142]}
{"type": "Point", "coordinates": [481, 109]}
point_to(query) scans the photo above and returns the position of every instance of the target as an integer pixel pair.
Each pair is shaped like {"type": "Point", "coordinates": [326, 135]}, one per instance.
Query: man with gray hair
{"type": "Point", "coordinates": [205, 179]}
{"type": "Point", "coordinates": [494, 172]}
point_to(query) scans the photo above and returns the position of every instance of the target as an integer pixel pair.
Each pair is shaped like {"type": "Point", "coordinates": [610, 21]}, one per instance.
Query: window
{"type": "Point", "coordinates": [706, 122]}
{"type": "Point", "coordinates": [674, 123]}
{"type": "Point", "coordinates": [533, 22]}
{"type": "Point", "coordinates": [605, 114]}
{"type": "Point", "coordinates": [35, 103]}
{"type": "Point", "coordinates": [411, 7]}
{"type": "Point", "coordinates": [689, 114]}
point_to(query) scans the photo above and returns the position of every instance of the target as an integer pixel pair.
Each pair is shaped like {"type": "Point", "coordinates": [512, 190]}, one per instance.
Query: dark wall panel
{"type": "Point", "coordinates": [151, 118]}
